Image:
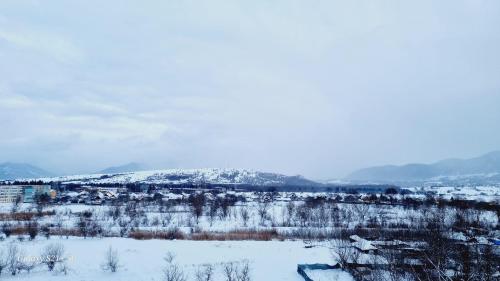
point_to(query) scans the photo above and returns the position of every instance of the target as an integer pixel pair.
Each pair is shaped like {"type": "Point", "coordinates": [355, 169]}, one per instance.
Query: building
{"type": "Point", "coordinates": [31, 191]}
{"type": "Point", "coordinates": [26, 193]}
{"type": "Point", "coordinates": [9, 193]}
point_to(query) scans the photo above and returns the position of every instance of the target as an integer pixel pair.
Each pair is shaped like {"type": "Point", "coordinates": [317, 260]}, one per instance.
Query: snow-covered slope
{"type": "Point", "coordinates": [188, 176]}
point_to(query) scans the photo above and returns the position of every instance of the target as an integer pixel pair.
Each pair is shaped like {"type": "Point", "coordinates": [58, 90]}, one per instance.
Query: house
{"type": "Point", "coordinates": [392, 244]}
{"type": "Point", "coordinates": [363, 245]}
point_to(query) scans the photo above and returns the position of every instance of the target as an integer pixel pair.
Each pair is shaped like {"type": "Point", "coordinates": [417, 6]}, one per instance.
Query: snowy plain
{"type": "Point", "coordinates": [143, 260]}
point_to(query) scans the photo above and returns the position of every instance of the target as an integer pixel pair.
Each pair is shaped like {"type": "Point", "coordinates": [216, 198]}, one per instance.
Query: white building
{"type": "Point", "coordinates": [9, 193]}
{"type": "Point", "coordinates": [26, 193]}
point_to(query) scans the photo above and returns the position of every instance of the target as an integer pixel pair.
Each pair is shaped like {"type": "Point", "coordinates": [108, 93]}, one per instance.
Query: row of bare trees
{"type": "Point", "coordinates": [14, 259]}
{"type": "Point", "coordinates": [230, 271]}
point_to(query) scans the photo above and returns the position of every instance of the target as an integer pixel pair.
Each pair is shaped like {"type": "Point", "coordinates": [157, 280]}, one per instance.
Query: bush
{"type": "Point", "coordinates": [172, 271]}
{"type": "Point", "coordinates": [111, 260]}
{"type": "Point", "coordinates": [32, 230]}
{"type": "Point", "coordinates": [257, 235]}
{"type": "Point", "coordinates": [6, 229]}
{"type": "Point", "coordinates": [170, 234]}
{"type": "Point", "coordinates": [53, 254]}
{"type": "Point", "coordinates": [13, 261]}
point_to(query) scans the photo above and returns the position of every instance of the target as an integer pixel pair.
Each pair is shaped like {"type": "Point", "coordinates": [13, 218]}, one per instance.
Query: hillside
{"type": "Point", "coordinates": [189, 176]}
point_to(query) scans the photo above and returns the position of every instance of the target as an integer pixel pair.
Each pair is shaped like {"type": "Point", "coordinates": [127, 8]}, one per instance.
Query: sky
{"type": "Point", "coordinates": [317, 88]}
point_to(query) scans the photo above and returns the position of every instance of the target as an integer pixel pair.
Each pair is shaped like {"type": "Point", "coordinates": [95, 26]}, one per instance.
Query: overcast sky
{"type": "Point", "coordinates": [318, 88]}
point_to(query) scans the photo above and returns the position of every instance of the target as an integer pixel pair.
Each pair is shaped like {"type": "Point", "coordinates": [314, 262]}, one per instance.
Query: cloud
{"type": "Point", "coordinates": [42, 42]}
{"type": "Point", "coordinates": [309, 88]}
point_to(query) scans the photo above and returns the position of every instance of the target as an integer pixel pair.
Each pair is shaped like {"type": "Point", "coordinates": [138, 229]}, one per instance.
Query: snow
{"type": "Point", "coordinates": [487, 193]}
{"type": "Point", "coordinates": [328, 275]}
{"type": "Point", "coordinates": [143, 260]}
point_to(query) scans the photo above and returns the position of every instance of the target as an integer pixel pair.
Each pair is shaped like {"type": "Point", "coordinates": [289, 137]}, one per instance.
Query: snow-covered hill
{"type": "Point", "coordinates": [188, 176]}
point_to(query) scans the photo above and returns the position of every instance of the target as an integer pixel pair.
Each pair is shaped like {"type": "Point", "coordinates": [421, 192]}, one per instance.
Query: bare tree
{"type": "Point", "coordinates": [13, 258]}
{"type": "Point", "coordinates": [303, 213]}
{"type": "Point", "coordinates": [436, 256]}
{"type": "Point", "coordinates": [15, 204]}
{"type": "Point", "coordinates": [111, 260]}
{"type": "Point", "coordinates": [41, 201]}
{"type": "Point", "coordinates": [6, 229]}
{"type": "Point", "coordinates": [172, 271]}
{"type": "Point", "coordinates": [230, 270]}
{"type": "Point", "coordinates": [52, 254]}
{"type": "Point", "coordinates": [32, 230]}
{"type": "Point", "coordinates": [212, 211]}
{"type": "Point", "coordinates": [487, 264]}
{"type": "Point", "coordinates": [236, 272]}
{"type": "Point", "coordinates": [245, 215]}
{"type": "Point", "coordinates": [361, 210]}
{"type": "Point", "coordinates": [169, 257]}
{"type": "Point", "coordinates": [262, 209]}
{"type": "Point", "coordinates": [115, 212]}
{"type": "Point", "coordinates": [197, 202]}
{"type": "Point", "coordinates": [63, 268]}
{"type": "Point", "coordinates": [59, 222]}
{"type": "Point", "coordinates": [27, 264]}
{"type": "Point", "coordinates": [166, 218]}
{"type": "Point", "coordinates": [290, 212]}
{"type": "Point", "coordinates": [346, 255]}
{"type": "Point", "coordinates": [205, 273]}
{"type": "Point", "coordinates": [3, 261]}
{"type": "Point", "coordinates": [244, 272]}
{"type": "Point", "coordinates": [394, 259]}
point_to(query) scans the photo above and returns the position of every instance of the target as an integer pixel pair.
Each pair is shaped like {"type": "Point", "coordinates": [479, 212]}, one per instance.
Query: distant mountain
{"type": "Point", "coordinates": [12, 171]}
{"type": "Point", "coordinates": [190, 176]}
{"type": "Point", "coordinates": [130, 167]}
{"type": "Point", "coordinates": [482, 168]}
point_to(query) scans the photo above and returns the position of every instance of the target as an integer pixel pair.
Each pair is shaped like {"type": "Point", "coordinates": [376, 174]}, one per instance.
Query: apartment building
{"type": "Point", "coordinates": [27, 193]}
{"type": "Point", "coordinates": [9, 193]}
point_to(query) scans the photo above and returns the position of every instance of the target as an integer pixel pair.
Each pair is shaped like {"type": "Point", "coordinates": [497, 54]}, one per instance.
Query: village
{"type": "Point", "coordinates": [396, 234]}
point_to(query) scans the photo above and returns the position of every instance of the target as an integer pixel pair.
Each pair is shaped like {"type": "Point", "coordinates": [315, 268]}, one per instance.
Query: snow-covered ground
{"type": "Point", "coordinates": [143, 260]}
{"type": "Point", "coordinates": [328, 275]}
{"type": "Point", "coordinates": [478, 193]}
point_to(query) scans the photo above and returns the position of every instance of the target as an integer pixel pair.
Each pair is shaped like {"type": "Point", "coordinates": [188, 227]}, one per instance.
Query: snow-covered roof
{"type": "Point", "coordinates": [362, 244]}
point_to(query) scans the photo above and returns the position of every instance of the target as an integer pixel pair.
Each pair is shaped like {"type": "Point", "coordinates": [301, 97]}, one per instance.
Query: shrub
{"type": "Point", "coordinates": [111, 260]}
{"type": "Point", "coordinates": [53, 254]}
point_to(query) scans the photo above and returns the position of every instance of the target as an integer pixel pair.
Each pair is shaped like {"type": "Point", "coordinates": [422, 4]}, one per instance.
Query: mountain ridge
{"type": "Point", "coordinates": [12, 171]}
{"type": "Point", "coordinates": [128, 167]}
{"type": "Point", "coordinates": [452, 167]}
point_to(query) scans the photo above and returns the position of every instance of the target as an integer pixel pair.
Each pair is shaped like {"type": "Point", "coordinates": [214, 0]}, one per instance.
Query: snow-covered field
{"type": "Point", "coordinates": [143, 260]}
{"type": "Point", "coordinates": [478, 193]}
